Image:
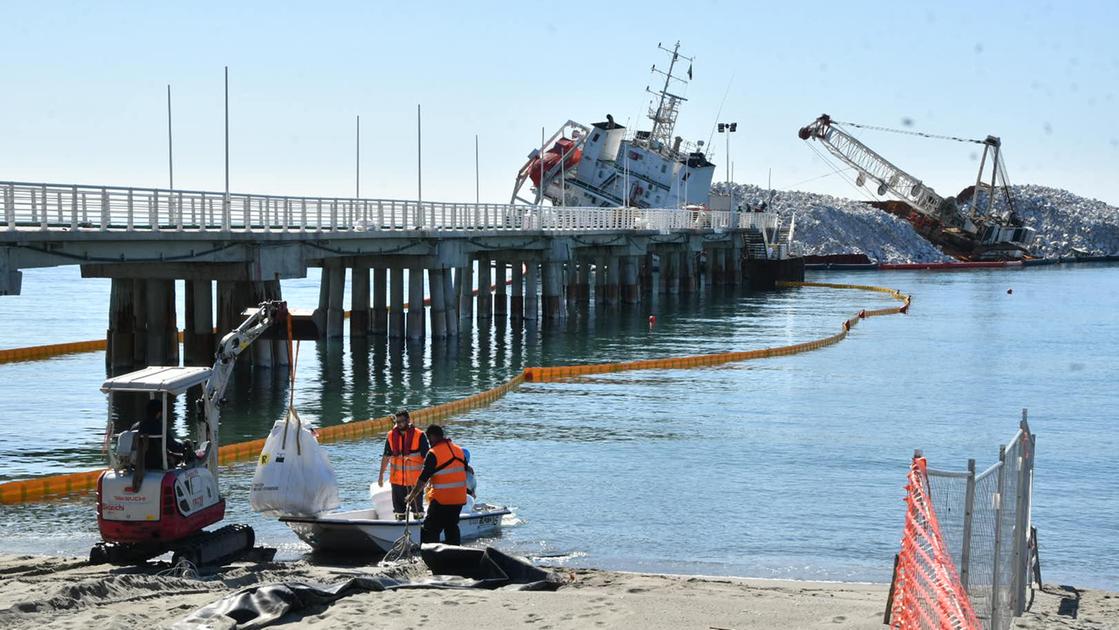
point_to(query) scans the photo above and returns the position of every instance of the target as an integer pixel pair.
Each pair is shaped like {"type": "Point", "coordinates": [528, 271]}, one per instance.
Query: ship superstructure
{"type": "Point", "coordinates": [607, 165]}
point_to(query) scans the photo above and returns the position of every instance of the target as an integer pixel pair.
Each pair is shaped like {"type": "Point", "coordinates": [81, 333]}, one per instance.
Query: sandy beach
{"type": "Point", "coordinates": [52, 592]}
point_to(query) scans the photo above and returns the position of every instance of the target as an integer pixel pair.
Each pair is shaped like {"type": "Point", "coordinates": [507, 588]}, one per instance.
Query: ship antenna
{"type": "Point", "coordinates": [668, 105]}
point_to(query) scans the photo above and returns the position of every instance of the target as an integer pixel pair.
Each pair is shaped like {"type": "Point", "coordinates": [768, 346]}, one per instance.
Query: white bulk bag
{"type": "Point", "coordinates": [293, 474]}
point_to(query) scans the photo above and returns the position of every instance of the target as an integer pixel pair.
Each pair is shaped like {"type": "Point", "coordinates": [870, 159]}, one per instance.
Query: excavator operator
{"type": "Point", "coordinates": [152, 428]}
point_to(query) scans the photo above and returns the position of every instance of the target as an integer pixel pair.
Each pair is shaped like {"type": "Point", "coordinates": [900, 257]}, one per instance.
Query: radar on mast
{"type": "Point", "coordinates": [665, 106]}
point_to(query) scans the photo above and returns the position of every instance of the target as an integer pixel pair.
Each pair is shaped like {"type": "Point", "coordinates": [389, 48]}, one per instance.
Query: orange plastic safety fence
{"type": "Point", "coordinates": [927, 589]}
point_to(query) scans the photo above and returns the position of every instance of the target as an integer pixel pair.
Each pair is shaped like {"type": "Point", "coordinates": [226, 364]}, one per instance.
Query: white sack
{"type": "Point", "coordinates": [293, 474]}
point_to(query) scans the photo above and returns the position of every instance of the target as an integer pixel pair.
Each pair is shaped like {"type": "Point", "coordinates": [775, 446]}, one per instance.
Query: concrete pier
{"type": "Point", "coordinates": [517, 293]}
{"type": "Point", "coordinates": [631, 293]}
{"type": "Point", "coordinates": [500, 293]}
{"type": "Point", "coordinates": [396, 303]}
{"type": "Point", "coordinates": [436, 286]}
{"type": "Point", "coordinates": [121, 333]}
{"type": "Point", "coordinates": [451, 306]}
{"type": "Point", "coordinates": [359, 301]}
{"type": "Point", "coordinates": [379, 316]}
{"type": "Point", "coordinates": [336, 287]}
{"type": "Point", "coordinates": [485, 281]}
{"type": "Point", "coordinates": [416, 303]}
{"type": "Point", "coordinates": [554, 308]}
{"type": "Point", "coordinates": [600, 280]}
{"type": "Point", "coordinates": [465, 282]}
{"type": "Point", "coordinates": [613, 280]}
{"type": "Point", "coordinates": [532, 296]}
{"type": "Point", "coordinates": [583, 281]}
{"type": "Point", "coordinates": [199, 342]}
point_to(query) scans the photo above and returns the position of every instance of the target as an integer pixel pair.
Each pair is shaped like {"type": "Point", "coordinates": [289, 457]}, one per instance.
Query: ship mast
{"type": "Point", "coordinates": [668, 105]}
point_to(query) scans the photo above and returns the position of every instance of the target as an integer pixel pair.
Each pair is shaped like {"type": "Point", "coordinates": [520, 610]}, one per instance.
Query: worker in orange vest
{"type": "Point", "coordinates": [445, 468]}
{"type": "Point", "coordinates": [405, 449]}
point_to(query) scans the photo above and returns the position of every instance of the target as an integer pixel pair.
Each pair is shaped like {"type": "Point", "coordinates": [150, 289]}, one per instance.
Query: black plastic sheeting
{"type": "Point", "coordinates": [452, 568]}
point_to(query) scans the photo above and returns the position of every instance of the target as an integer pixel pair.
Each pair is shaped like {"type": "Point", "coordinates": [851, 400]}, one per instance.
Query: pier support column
{"type": "Point", "coordinates": [517, 294]}
{"type": "Point", "coordinates": [438, 303]}
{"type": "Point", "coordinates": [583, 281]}
{"type": "Point", "coordinates": [451, 299]}
{"type": "Point", "coordinates": [532, 299]}
{"type": "Point", "coordinates": [139, 322]}
{"type": "Point", "coordinates": [736, 264]}
{"type": "Point", "coordinates": [335, 312]}
{"type": "Point", "coordinates": [688, 269]}
{"type": "Point", "coordinates": [719, 261]}
{"type": "Point", "coordinates": [162, 347]}
{"type": "Point", "coordinates": [500, 294]}
{"type": "Point", "coordinates": [674, 273]}
{"type": "Point", "coordinates": [359, 302]}
{"type": "Point", "coordinates": [553, 286]}
{"type": "Point", "coordinates": [396, 303]}
{"type": "Point", "coordinates": [630, 292]}
{"type": "Point", "coordinates": [600, 280]}
{"type": "Point", "coordinates": [466, 292]}
{"type": "Point", "coordinates": [378, 320]}
{"type": "Point", "coordinates": [120, 337]}
{"type": "Point", "coordinates": [485, 282]}
{"type": "Point", "coordinates": [415, 303]}
{"type": "Point", "coordinates": [613, 280]}
{"type": "Point", "coordinates": [199, 343]}
{"type": "Point", "coordinates": [571, 281]}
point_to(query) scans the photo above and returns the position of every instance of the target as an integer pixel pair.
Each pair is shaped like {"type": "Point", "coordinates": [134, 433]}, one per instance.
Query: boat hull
{"type": "Point", "coordinates": [359, 531]}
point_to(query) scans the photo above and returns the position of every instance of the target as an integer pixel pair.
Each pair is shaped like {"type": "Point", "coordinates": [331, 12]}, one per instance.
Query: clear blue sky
{"type": "Point", "coordinates": [84, 88]}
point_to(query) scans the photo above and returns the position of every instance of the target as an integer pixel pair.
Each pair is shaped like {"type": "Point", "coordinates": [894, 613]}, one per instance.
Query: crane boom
{"type": "Point", "coordinates": [890, 178]}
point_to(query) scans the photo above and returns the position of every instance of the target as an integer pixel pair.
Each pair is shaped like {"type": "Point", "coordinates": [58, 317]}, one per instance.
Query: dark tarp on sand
{"type": "Point", "coordinates": [452, 568]}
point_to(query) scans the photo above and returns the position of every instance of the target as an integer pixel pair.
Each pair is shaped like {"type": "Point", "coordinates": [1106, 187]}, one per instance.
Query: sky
{"type": "Point", "coordinates": [85, 86]}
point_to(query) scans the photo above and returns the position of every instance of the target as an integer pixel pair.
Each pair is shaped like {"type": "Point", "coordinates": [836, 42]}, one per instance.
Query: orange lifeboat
{"type": "Point", "coordinates": [552, 157]}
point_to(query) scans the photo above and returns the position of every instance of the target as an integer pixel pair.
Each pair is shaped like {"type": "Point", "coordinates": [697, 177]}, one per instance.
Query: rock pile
{"type": "Point", "coordinates": [1066, 224]}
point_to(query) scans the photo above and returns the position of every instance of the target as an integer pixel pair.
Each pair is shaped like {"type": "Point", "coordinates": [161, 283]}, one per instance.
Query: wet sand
{"type": "Point", "coordinates": [52, 592]}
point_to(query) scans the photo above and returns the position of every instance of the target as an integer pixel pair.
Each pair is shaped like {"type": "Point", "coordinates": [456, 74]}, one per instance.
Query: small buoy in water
{"type": "Point", "coordinates": [652, 321]}
{"type": "Point", "coordinates": [1009, 291]}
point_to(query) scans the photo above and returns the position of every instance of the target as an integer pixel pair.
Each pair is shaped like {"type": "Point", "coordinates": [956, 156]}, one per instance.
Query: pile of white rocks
{"type": "Point", "coordinates": [1066, 224]}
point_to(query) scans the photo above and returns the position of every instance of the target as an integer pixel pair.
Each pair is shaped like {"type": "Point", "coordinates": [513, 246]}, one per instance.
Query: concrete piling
{"type": "Point", "coordinates": [553, 291]}
{"type": "Point", "coordinates": [438, 303]}
{"type": "Point", "coordinates": [451, 302]}
{"type": "Point", "coordinates": [359, 301]}
{"type": "Point", "coordinates": [613, 280]}
{"type": "Point", "coordinates": [465, 284]}
{"type": "Point", "coordinates": [199, 343]}
{"type": "Point", "coordinates": [532, 284]}
{"type": "Point", "coordinates": [485, 281]}
{"type": "Point", "coordinates": [517, 293]}
{"type": "Point", "coordinates": [396, 303]}
{"type": "Point", "coordinates": [335, 315]}
{"type": "Point", "coordinates": [378, 320]}
{"type": "Point", "coordinates": [631, 293]}
{"type": "Point", "coordinates": [500, 293]}
{"type": "Point", "coordinates": [415, 303]}
{"type": "Point", "coordinates": [121, 333]}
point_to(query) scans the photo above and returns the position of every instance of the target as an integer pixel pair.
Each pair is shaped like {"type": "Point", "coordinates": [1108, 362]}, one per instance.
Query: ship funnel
{"type": "Point", "coordinates": [610, 121]}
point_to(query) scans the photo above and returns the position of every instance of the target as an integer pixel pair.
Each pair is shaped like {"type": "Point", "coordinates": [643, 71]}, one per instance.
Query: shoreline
{"type": "Point", "coordinates": [39, 591]}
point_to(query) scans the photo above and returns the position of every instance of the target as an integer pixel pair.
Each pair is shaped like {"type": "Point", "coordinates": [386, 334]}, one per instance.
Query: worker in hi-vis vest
{"type": "Point", "coordinates": [445, 468]}
{"type": "Point", "coordinates": [405, 449]}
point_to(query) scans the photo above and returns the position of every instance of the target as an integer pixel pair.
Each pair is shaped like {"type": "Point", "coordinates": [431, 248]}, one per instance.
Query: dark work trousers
{"type": "Point", "coordinates": [399, 494]}
{"type": "Point", "coordinates": [441, 519]}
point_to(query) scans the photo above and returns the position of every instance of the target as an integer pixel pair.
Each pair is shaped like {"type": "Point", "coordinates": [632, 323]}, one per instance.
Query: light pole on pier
{"type": "Point", "coordinates": [357, 161]}
{"type": "Point", "coordinates": [729, 128]}
{"type": "Point", "coordinates": [170, 154]}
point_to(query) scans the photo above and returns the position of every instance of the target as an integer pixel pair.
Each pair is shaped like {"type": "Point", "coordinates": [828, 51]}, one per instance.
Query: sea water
{"type": "Point", "coordinates": [790, 467]}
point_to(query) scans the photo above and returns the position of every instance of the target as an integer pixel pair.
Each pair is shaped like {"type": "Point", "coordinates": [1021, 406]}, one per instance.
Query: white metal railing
{"type": "Point", "coordinates": [105, 208]}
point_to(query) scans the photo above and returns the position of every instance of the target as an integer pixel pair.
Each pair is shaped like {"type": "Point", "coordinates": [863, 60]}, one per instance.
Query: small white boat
{"type": "Point", "coordinates": [367, 531]}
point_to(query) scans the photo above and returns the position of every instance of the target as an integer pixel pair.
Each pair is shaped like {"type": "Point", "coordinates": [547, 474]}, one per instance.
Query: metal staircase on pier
{"type": "Point", "coordinates": [756, 247]}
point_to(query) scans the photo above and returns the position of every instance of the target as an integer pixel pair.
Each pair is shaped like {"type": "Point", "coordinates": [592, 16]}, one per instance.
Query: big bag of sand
{"type": "Point", "coordinates": [293, 474]}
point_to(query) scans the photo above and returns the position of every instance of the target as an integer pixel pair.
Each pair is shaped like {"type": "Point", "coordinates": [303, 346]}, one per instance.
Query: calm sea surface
{"type": "Point", "coordinates": [790, 467]}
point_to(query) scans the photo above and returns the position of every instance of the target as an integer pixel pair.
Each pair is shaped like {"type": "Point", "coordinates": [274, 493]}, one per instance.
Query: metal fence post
{"type": "Point", "coordinates": [995, 586]}
{"type": "Point", "coordinates": [1022, 518]}
{"type": "Point", "coordinates": [969, 510]}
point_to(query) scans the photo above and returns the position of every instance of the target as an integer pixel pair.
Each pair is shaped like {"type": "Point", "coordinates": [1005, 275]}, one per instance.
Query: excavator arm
{"type": "Point", "coordinates": [231, 346]}
{"type": "Point", "coordinates": [888, 176]}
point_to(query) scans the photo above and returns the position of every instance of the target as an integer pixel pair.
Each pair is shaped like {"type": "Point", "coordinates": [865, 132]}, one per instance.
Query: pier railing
{"type": "Point", "coordinates": [985, 519]}
{"type": "Point", "coordinates": [108, 208]}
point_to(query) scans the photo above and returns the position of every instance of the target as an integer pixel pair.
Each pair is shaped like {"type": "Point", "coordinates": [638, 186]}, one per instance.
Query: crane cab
{"type": "Point", "coordinates": [148, 497]}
